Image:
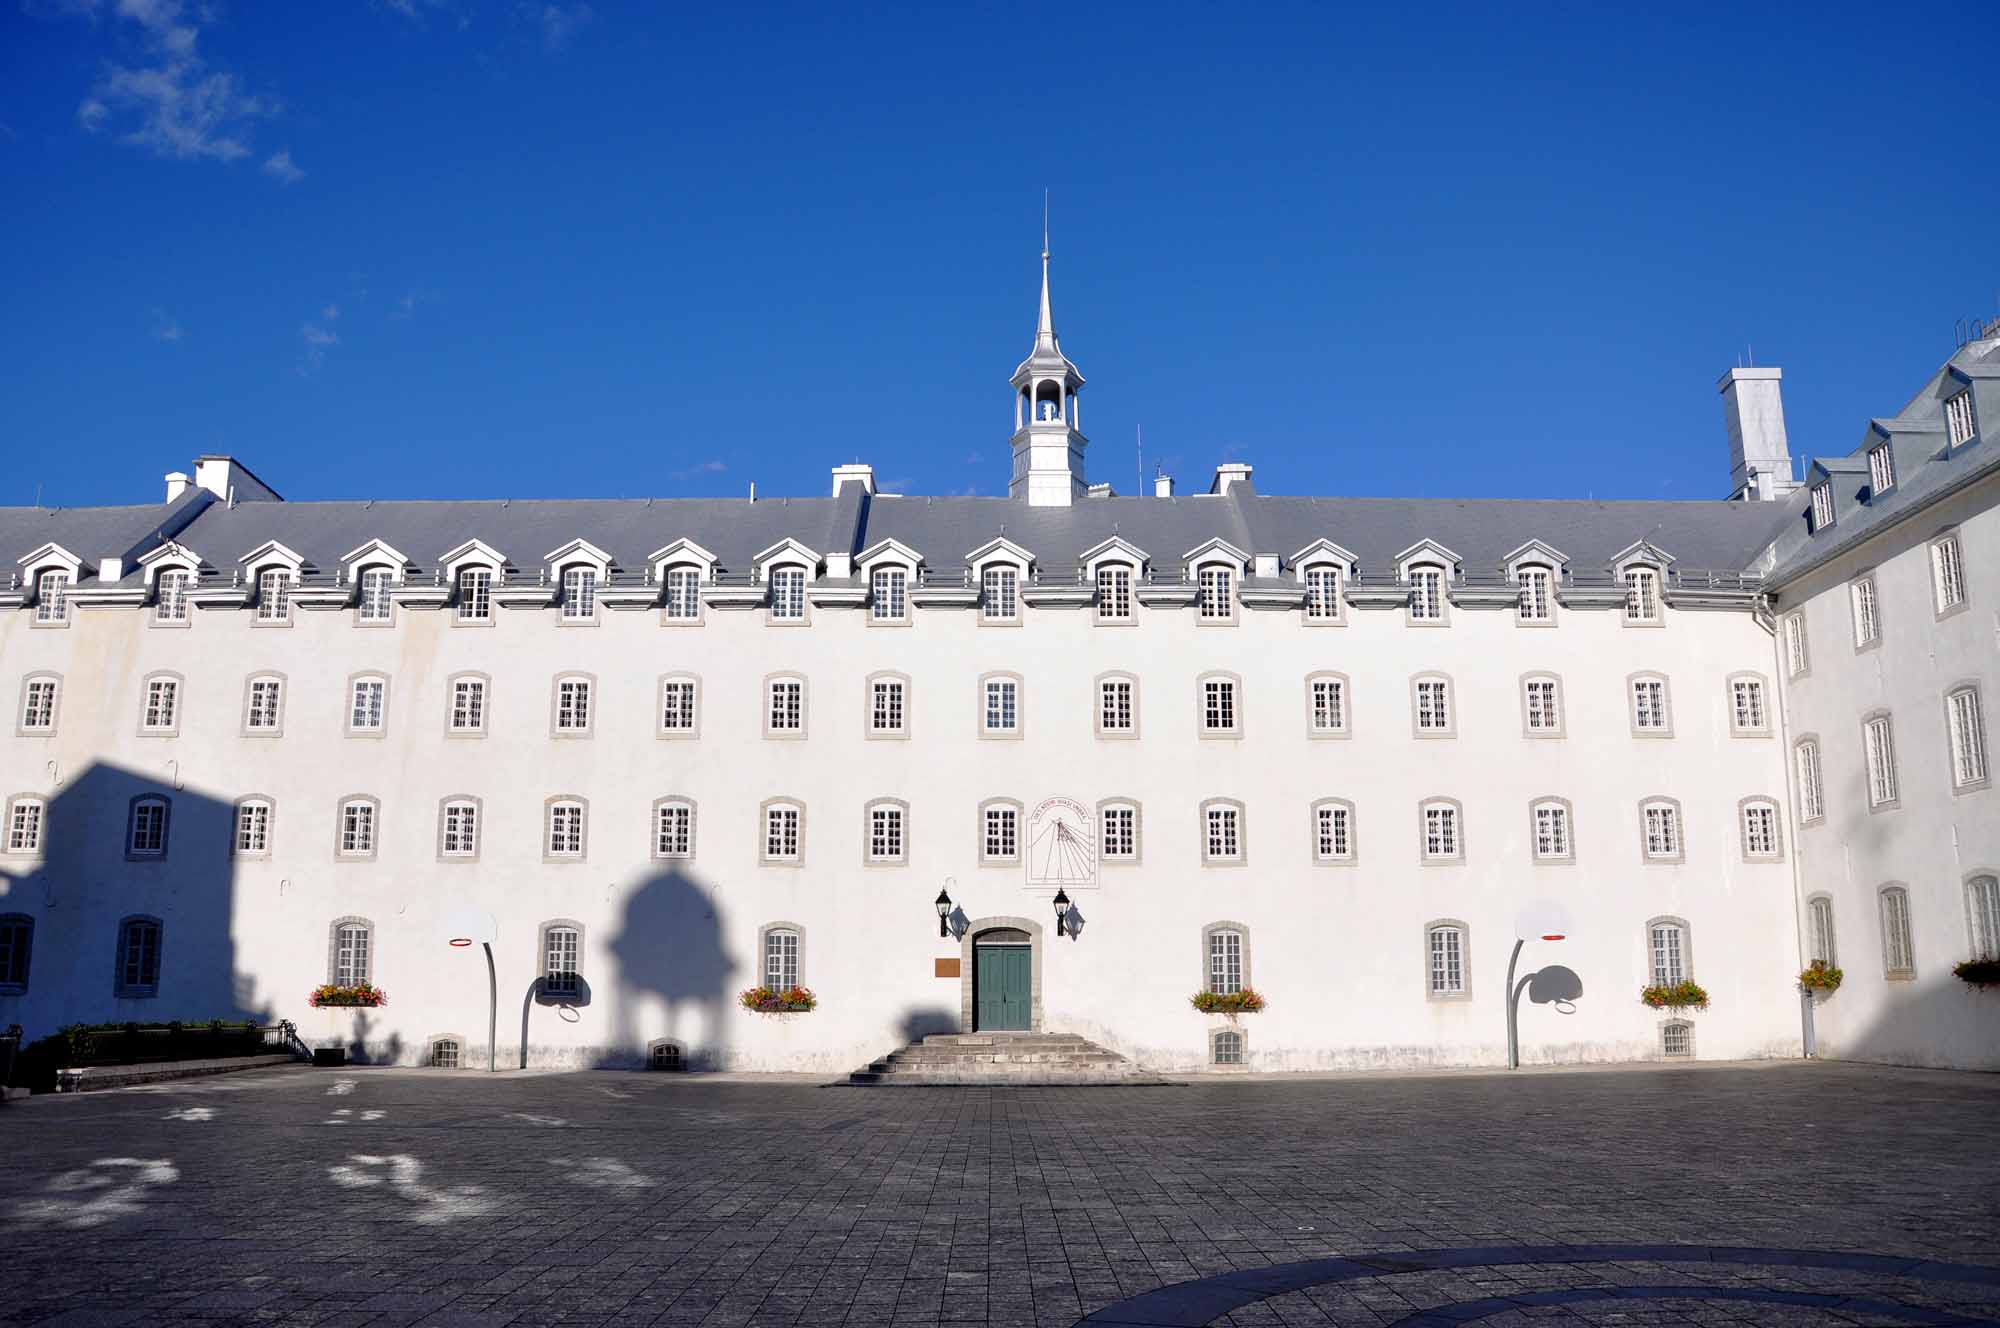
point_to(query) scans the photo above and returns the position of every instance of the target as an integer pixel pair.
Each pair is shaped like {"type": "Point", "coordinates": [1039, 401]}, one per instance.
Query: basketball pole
{"type": "Point", "coordinates": [492, 1008]}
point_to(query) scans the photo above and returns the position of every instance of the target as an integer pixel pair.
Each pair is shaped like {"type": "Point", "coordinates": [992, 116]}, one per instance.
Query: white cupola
{"type": "Point", "coordinates": [1048, 441]}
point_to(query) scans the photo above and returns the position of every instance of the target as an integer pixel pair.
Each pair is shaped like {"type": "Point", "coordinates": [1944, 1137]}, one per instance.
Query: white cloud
{"type": "Point", "coordinates": [560, 22]}
{"type": "Point", "coordinates": [701, 468]}
{"type": "Point", "coordinates": [280, 168]}
{"type": "Point", "coordinates": [317, 339]}
{"type": "Point", "coordinates": [166, 327]}
{"type": "Point", "coordinates": [173, 104]}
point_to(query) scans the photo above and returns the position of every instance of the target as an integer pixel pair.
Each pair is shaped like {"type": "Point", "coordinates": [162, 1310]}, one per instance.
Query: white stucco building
{"type": "Point", "coordinates": [1326, 748]}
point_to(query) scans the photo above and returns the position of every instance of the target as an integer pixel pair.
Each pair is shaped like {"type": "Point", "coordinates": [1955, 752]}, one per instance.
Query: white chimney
{"type": "Point", "coordinates": [1229, 474]}
{"type": "Point", "coordinates": [1163, 486]}
{"type": "Point", "coordinates": [177, 484]}
{"type": "Point", "coordinates": [864, 474]}
{"type": "Point", "coordinates": [1760, 456]}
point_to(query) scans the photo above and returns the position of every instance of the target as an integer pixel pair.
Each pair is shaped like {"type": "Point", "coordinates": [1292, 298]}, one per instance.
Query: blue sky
{"type": "Point", "coordinates": [441, 248]}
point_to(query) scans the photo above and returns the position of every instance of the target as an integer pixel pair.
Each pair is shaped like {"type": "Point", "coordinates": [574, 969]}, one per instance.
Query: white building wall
{"type": "Point", "coordinates": [1337, 950]}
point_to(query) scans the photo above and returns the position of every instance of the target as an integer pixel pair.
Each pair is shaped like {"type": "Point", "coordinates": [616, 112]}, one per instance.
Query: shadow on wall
{"type": "Point", "coordinates": [122, 932]}
{"type": "Point", "coordinates": [675, 981]}
{"type": "Point", "coordinates": [1936, 1019]}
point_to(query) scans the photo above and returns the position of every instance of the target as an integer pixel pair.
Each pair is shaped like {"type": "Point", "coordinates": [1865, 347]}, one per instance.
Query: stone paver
{"type": "Point", "coordinates": [386, 1197]}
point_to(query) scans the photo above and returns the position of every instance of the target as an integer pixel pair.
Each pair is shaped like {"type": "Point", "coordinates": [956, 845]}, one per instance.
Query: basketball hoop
{"type": "Point", "coordinates": [459, 942]}
{"type": "Point", "coordinates": [1554, 936]}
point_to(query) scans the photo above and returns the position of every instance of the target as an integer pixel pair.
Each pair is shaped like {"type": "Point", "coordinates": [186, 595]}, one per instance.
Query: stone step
{"type": "Point", "coordinates": [1001, 1058]}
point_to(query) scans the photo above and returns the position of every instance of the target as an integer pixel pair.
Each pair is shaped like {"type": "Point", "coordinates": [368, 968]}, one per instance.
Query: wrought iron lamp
{"type": "Point", "coordinates": [1061, 902]}
{"type": "Point", "coordinates": [943, 906]}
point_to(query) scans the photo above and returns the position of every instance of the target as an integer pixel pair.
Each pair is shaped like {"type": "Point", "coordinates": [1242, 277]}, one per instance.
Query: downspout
{"type": "Point", "coordinates": [1767, 618]}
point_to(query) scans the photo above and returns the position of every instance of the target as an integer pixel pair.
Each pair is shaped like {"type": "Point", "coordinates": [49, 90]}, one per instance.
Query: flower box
{"type": "Point", "coordinates": [361, 993]}
{"type": "Point", "coordinates": [1978, 972]}
{"type": "Point", "coordinates": [1678, 996]}
{"type": "Point", "coordinates": [1820, 976]}
{"type": "Point", "coordinates": [771, 1000]}
{"type": "Point", "coordinates": [1243, 1001]}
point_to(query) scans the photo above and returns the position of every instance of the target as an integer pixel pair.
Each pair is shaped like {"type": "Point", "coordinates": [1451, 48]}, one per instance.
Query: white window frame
{"type": "Point", "coordinates": [1864, 605]}
{"type": "Point", "coordinates": [1000, 582]}
{"type": "Point", "coordinates": [579, 582]}
{"type": "Point", "coordinates": [673, 828]}
{"type": "Point", "coordinates": [1325, 585]}
{"type": "Point", "coordinates": [1447, 960]}
{"type": "Point", "coordinates": [1332, 829]}
{"type": "Point", "coordinates": [1552, 830]}
{"type": "Point", "coordinates": [147, 836]}
{"type": "Point", "coordinates": [1662, 831]}
{"type": "Point", "coordinates": [786, 698]}
{"type": "Point", "coordinates": [685, 688]}
{"type": "Point", "coordinates": [781, 832]}
{"type": "Point", "coordinates": [1752, 811]}
{"type": "Point", "coordinates": [1645, 602]}
{"type": "Point", "coordinates": [1225, 833]}
{"type": "Point", "coordinates": [885, 706]}
{"type": "Point", "coordinates": [565, 829]}
{"type": "Point", "coordinates": [885, 833]}
{"type": "Point", "coordinates": [52, 586]}
{"type": "Point", "coordinates": [346, 836]}
{"type": "Point", "coordinates": [1549, 713]}
{"type": "Point", "coordinates": [889, 594]}
{"type": "Point", "coordinates": [1638, 710]}
{"type": "Point", "coordinates": [1535, 606]}
{"type": "Point", "coordinates": [355, 684]}
{"type": "Point", "coordinates": [147, 984]}
{"type": "Point", "coordinates": [1450, 838]}
{"type": "Point", "coordinates": [1899, 949]}
{"type": "Point", "coordinates": [680, 590]}
{"type": "Point", "coordinates": [790, 602]}
{"type": "Point", "coordinates": [258, 816]}
{"type": "Point", "coordinates": [1822, 939]}
{"type": "Point", "coordinates": [371, 609]}
{"type": "Point", "coordinates": [1215, 592]}
{"type": "Point", "coordinates": [1809, 778]}
{"type": "Point", "coordinates": [1669, 951]}
{"type": "Point", "coordinates": [1430, 601]}
{"type": "Point", "coordinates": [472, 586]}
{"type": "Point", "coordinates": [26, 831]}
{"type": "Point", "coordinates": [1116, 599]}
{"type": "Point", "coordinates": [1881, 470]}
{"type": "Point", "coordinates": [1219, 705]}
{"type": "Point", "coordinates": [1948, 583]}
{"type": "Point", "coordinates": [1749, 718]}
{"type": "Point", "coordinates": [253, 710]}
{"type": "Point", "coordinates": [151, 688]}
{"type": "Point", "coordinates": [350, 951]}
{"type": "Point", "coordinates": [781, 950]}
{"type": "Point", "coordinates": [573, 696]}
{"type": "Point", "coordinates": [1961, 422]}
{"type": "Point", "coordinates": [1965, 737]}
{"type": "Point", "coordinates": [1982, 914]}
{"type": "Point", "coordinates": [171, 606]}
{"type": "Point", "coordinates": [993, 851]}
{"type": "Point", "coordinates": [1433, 706]}
{"type": "Point", "coordinates": [461, 828]}
{"type": "Point", "coordinates": [1329, 705]}
{"type": "Point", "coordinates": [989, 699]}
{"type": "Point", "coordinates": [1127, 812]}
{"type": "Point", "coordinates": [1878, 752]}
{"type": "Point", "coordinates": [484, 708]}
{"type": "Point", "coordinates": [1798, 661]}
{"type": "Point", "coordinates": [1822, 506]}
{"type": "Point", "coordinates": [1116, 696]}
{"type": "Point", "coordinates": [274, 582]}
{"type": "Point", "coordinates": [29, 709]}
{"type": "Point", "coordinates": [559, 966]}
{"type": "Point", "coordinates": [1225, 955]}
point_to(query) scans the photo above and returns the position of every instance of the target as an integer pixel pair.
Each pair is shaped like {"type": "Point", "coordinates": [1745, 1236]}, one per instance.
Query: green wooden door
{"type": "Point", "coordinates": [1002, 988]}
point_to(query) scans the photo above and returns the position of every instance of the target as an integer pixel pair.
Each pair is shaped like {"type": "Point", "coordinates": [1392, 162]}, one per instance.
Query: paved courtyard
{"type": "Point", "coordinates": [1790, 1194]}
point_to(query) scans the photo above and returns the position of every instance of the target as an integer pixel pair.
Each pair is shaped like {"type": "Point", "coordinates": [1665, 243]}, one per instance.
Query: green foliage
{"type": "Point", "coordinates": [1241, 1001]}
{"type": "Point", "coordinates": [1684, 995]}
{"type": "Point", "coordinates": [768, 1000]}
{"type": "Point", "coordinates": [1820, 976]}
{"type": "Point", "coordinates": [1979, 972]}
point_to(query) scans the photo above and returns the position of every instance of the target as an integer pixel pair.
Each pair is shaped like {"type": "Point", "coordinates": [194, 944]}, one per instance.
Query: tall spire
{"type": "Point", "coordinates": [1045, 330]}
{"type": "Point", "coordinates": [1048, 440]}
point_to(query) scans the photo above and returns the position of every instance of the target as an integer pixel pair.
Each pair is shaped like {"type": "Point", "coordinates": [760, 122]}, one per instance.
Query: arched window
{"type": "Point", "coordinates": [470, 694]}
{"type": "Point", "coordinates": [666, 1055]}
{"type": "Point", "coordinates": [884, 831]}
{"type": "Point", "coordinates": [680, 706]}
{"type": "Point", "coordinates": [1812, 801]}
{"type": "Point", "coordinates": [274, 596]}
{"type": "Point", "coordinates": [562, 959]}
{"type": "Point", "coordinates": [1677, 1039]}
{"type": "Point", "coordinates": [354, 831]}
{"type": "Point", "coordinates": [1820, 947]}
{"type": "Point", "coordinates": [1749, 712]}
{"type": "Point", "coordinates": [1448, 959]}
{"type": "Point", "coordinates": [350, 952]}
{"type": "Point", "coordinates": [52, 597]}
{"type": "Point", "coordinates": [264, 705]}
{"type": "Point", "coordinates": [1965, 725]}
{"type": "Point", "coordinates": [1226, 1047]}
{"type": "Point", "coordinates": [458, 829]}
{"type": "Point", "coordinates": [1219, 698]}
{"type": "Point", "coordinates": [1217, 586]}
{"type": "Point", "coordinates": [160, 712]}
{"type": "Point", "coordinates": [373, 607]}
{"type": "Point", "coordinates": [1225, 950]}
{"type": "Point", "coordinates": [1117, 712]}
{"type": "Point", "coordinates": [39, 695]}
{"type": "Point", "coordinates": [1427, 593]}
{"type": "Point", "coordinates": [1433, 712]}
{"type": "Point", "coordinates": [475, 604]}
{"type": "Point", "coordinates": [445, 1052]}
{"type": "Point", "coordinates": [1223, 833]}
{"type": "Point", "coordinates": [1878, 743]}
{"type": "Point", "coordinates": [1762, 839]}
{"type": "Point", "coordinates": [1442, 835]}
{"type": "Point", "coordinates": [788, 594]}
{"type": "Point", "coordinates": [1326, 705]}
{"type": "Point", "coordinates": [565, 829]}
{"type": "Point", "coordinates": [673, 828]}
{"type": "Point", "coordinates": [146, 828]}
{"type": "Point", "coordinates": [1001, 706]}
{"type": "Point", "coordinates": [1982, 910]}
{"type": "Point", "coordinates": [27, 817]}
{"type": "Point", "coordinates": [683, 587]}
{"type": "Point", "coordinates": [136, 974]}
{"type": "Point", "coordinates": [783, 840]}
{"type": "Point", "coordinates": [1652, 712]}
{"type": "Point", "coordinates": [1114, 593]}
{"type": "Point", "coordinates": [1000, 593]}
{"type": "Point", "coordinates": [1553, 834]}
{"type": "Point", "coordinates": [579, 593]}
{"type": "Point", "coordinates": [999, 832]}
{"type": "Point", "coordinates": [1118, 832]}
{"type": "Point", "coordinates": [573, 706]}
{"type": "Point", "coordinates": [782, 947]}
{"type": "Point", "coordinates": [252, 838]}
{"type": "Point", "coordinates": [1536, 605]}
{"type": "Point", "coordinates": [1797, 662]}
{"type": "Point", "coordinates": [170, 596]}
{"type": "Point", "coordinates": [889, 594]}
{"type": "Point", "coordinates": [888, 706]}
{"type": "Point", "coordinates": [1867, 613]}
{"type": "Point", "coordinates": [1670, 958]}
{"type": "Point", "coordinates": [1899, 952]}
{"type": "Point", "coordinates": [1322, 583]}
{"type": "Point", "coordinates": [17, 944]}
{"type": "Point", "coordinates": [1660, 831]}
{"type": "Point", "coordinates": [1541, 705]}
{"type": "Point", "coordinates": [784, 706]}
{"type": "Point", "coordinates": [1333, 830]}
{"type": "Point", "coordinates": [367, 705]}
{"type": "Point", "coordinates": [1642, 597]}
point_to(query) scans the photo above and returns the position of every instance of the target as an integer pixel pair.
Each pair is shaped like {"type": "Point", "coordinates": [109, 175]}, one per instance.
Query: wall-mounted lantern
{"type": "Point", "coordinates": [1061, 903]}
{"type": "Point", "coordinates": [943, 906]}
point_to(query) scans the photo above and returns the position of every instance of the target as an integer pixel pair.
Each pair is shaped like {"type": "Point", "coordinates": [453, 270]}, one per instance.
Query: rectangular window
{"type": "Point", "coordinates": [364, 712]}
{"type": "Point", "coordinates": [1812, 805]}
{"type": "Point", "coordinates": [1329, 705]}
{"type": "Point", "coordinates": [1440, 832]}
{"type": "Point", "coordinates": [1002, 840]}
{"type": "Point", "coordinates": [274, 595]}
{"type": "Point", "coordinates": [1000, 593]}
{"type": "Point", "coordinates": [1334, 834]}
{"type": "Point", "coordinates": [1881, 469]}
{"type": "Point", "coordinates": [1760, 830]}
{"type": "Point", "coordinates": [781, 833]}
{"type": "Point", "coordinates": [1224, 845]}
{"type": "Point", "coordinates": [1649, 705]}
{"type": "Point", "coordinates": [38, 704]}
{"type": "Point", "coordinates": [566, 830]}
{"type": "Point", "coordinates": [24, 826]}
{"type": "Point", "coordinates": [1968, 737]}
{"type": "Point", "coordinates": [1552, 831]}
{"type": "Point", "coordinates": [139, 958]}
{"type": "Point", "coordinates": [1225, 962]}
{"type": "Point", "coordinates": [357, 829]}
{"type": "Point", "coordinates": [560, 976]}
{"type": "Point", "coordinates": [1867, 630]}
{"type": "Point", "coordinates": [1947, 573]}
{"type": "Point", "coordinates": [1114, 714]}
{"type": "Point", "coordinates": [788, 594]}
{"type": "Point", "coordinates": [1544, 713]}
{"type": "Point", "coordinates": [781, 959]}
{"type": "Point", "coordinates": [1427, 594]}
{"type": "Point", "coordinates": [677, 701]}
{"type": "Point", "coordinates": [885, 834]}
{"type": "Point", "coordinates": [1880, 746]}
{"type": "Point", "coordinates": [674, 831]}
{"type": "Point", "coordinates": [350, 962]}
{"type": "Point", "coordinates": [1663, 832]}
{"type": "Point", "coordinates": [1746, 702]}
{"type": "Point", "coordinates": [266, 695]}
{"type": "Point", "coordinates": [1960, 425]}
{"type": "Point", "coordinates": [1898, 953]}
{"type": "Point", "coordinates": [888, 599]}
{"type": "Point", "coordinates": [787, 710]}
{"type": "Point", "coordinates": [375, 605]}
{"type": "Point", "coordinates": [468, 705]}
{"type": "Point", "coordinates": [683, 594]}
{"type": "Point", "coordinates": [475, 595]}
{"type": "Point", "coordinates": [1447, 961]}
{"type": "Point", "coordinates": [17, 939]}
{"type": "Point", "coordinates": [1121, 833]}
{"type": "Point", "coordinates": [1434, 706]}
{"type": "Point", "coordinates": [172, 603]}
{"type": "Point", "coordinates": [149, 830]}
{"type": "Point", "coordinates": [1218, 706]}
{"type": "Point", "coordinates": [1216, 603]}
{"type": "Point", "coordinates": [1322, 594]}
{"type": "Point", "coordinates": [1114, 594]}
{"type": "Point", "coordinates": [1669, 956]}
{"type": "Point", "coordinates": [1642, 595]}
{"type": "Point", "coordinates": [573, 705]}
{"type": "Point", "coordinates": [1819, 925]}
{"type": "Point", "coordinates": [162, 705]}
{"type": "Point", "coordinates": [461, 830]}
{"type": "Point", "coordinates": [1537, 604]}
{"type": "Point", "coordinates": [1822, 505]}
{"type": "Point", "coordinates": [253, 827]}
{"type": "Point", "coordinates": [579, 594]}
{"type": "Point", "coordinates": [1795, 644]}
{"type": "Point", "coordinates": [52, 597]}
{"type": "Point", "coordinates": [1983, 902]}
{"type": "Point", "coordinates": [1002, 714]}
{"type": "Point", "coordinates": [885, 709]}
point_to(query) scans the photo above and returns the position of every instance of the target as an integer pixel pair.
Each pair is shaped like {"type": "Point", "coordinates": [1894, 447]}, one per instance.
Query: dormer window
{"type": "Point", "coordinates": [274, 595]}
{"type": "Point", "coordinates": [683, 586]}
{"type": "Point", "coordinates": [170, 604]}
{"type": "Point", "coordinates": [1881, 470]}
{"type": "Point", "coordinates": [1322, 593]}
{"type": "Point", "coordinates": [52, 597]}
{"type": "Point", "coordinates": [1217, 601]}
{"type": "Point", "coordinates": [1114, 593]}
{"type": "Point", "coordinates": [475, 595]}
{"type": "Point", "coordinates": [1537, 602]}
{"type": "Point", "coordinates": [889, 595]}
{"type": "Point", "coordinates": [1822, 505]}
{"type": "Point", "coordinates": [1642, 596]}
{"type": "Point", "coordinates": [1000, 594]}
{"type": "Point", "coordinates": [374, 606]}
{"type": "Point", "coordinates": [579, 593]}
{"type": "Point", "coordinates": [1961, 426]}
{"type": "Point", "coordinates": [788, 594]}
{"type": "Point", "coordinates": [1426, 593]}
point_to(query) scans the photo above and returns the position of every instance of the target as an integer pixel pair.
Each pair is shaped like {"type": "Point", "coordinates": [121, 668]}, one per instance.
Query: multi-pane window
{"type": "Point", "coordinates": [887, 705]}
{"type": "Point", "coordinates": [374, 605]}
{"type": "Point", "coordinates": [1552, 840]}
{"type": "Point", "coordinates": [1433, 705]}
{"type": "Point", "coordinates": [274, 595]}
{"type": "Point", "coordinates": [1322, 594]}
{"type": "Point", "coordinates": [1667, 943]}
{"type": "Point", "coordinates": [673, 830]}
{"type": "Point", "coordinates": [468, 705]}
{"type": "Point", "coordinates": [38, 705]}
{"type": "Point", "coordinates": [138, 970]}
{"type": "Point", "coordinates": [788, 594]}
{"type": "Point", "coordinates": [1329, 705]}
{"type": "Point", "coordinates": [1812, 801]}
{"type": "Point", "coordinates": [683, 594]}
{"type": "Point", "coordinates": [579, 594]}
{"type": "Point", "coordinates": [25, 817]}
{"type": "Point", "coordinates": [1677, 1039]}
{"type": "Point", "coordinates": [1119, 837]}
{"type": "Point", "coordinates": [561, 966]}
{"type": "Point", "coordinates": [786, 708]}
{"type": "Point", "coordinates": [475, 594]}
{"type": "Point", "coordinates": [1000, 594]}
{"type": "Point", "coordinates": [1947, 573]}
{"type": "Point", "coordinates": [357, 828]}
{"type": "Point", "coordinates": [444, 1054]}
{"type": "Point", "coordinates": [1447, 951]}
{"type": "Point", "coordinates": [265, 705]}
{"type": "Point", "coordinates": [1537, 602]}
{"type": "Point", "coordinates": [1226, 1047]}
{"type": "Point", "coordinates": [677, 705]}
{"type": "Point", "coordinates": [1427, 594]}
{"type": "Point", "coordinates": [1760, 830]}
{"type": "Point", "coordinates": [1224, 838]}
{"type": "Point", "coordinates": [253, 828]}
{"type": "Point", "coordinates": [781, 958]}
{"type": "Point", "coordinates": [1662, 830]}
{"type": "Point", "coordinates": [1642, 595]}
{"type": "Point", "coordinates": [351, 945]}
{"type": "Point", "coordinates": [885, 834]}
{"type": "Point", "coordinates": [1982, 907]}
{"type": "Point", "coordinates": [1967, 728]}
{"type": "Point", "coordinates": [1822, 505]}
{"type": "Point", "coordinates": [1114, 593]}
{"type": "Point", "coordinates": [1333, 832]}
{"type": "Point", "coordinates": [1216, 602]}
{"type": "Point", "coordinates": [146, 831]}
{"type": "Point", "coordinates": [1218, 705]}
{"type": "Point", "coordinates": [1542, 702]}
{"type": "Point", "coordinates": [781, 833]}
{"type": "Point", "coordinates": [1795, 644]}
{"type": "Point", "coordinates": [1002, 708]}
{"type": "Point", "coordinates": [1746, 706]}
{"type": "Point", "coordinates": [1879, 748]}
{"type": "Point", "coordinates": [565, 830]}
{"type": "Point", "coordinates": [1959, 422]}
{"type": "Point", "coordinates": [52, 596]}
{"type": "Point", "coordinates": [1649, 705]}
{"type": "Point", "coordinates": [366, 705]}
{"type": "Point", "coordinates": [1441, 838]}
{"type": "Point", "coordinates": [460, 836]}
{"type": "Point", "coordinates": [1115, 712]}
{"type": "Point", "coordinates": [1819, 931]}
{"type": "Point", "coordinates": [1225, 961]}
{"type": "Point", "coordinates": [573, 705]}
{"type": "Point", "coordinates": [163, 710]}
{"type": "Point", "coordinates": [1881, 469]}
{"type": "Point", "coordinates": [17, 942]}
{"type": "Point", "coordinates": [1002, 839]}
{"type": "Point", "coordinates": [171, 602]}
{"type": "Point", "coordinates": [1898, 952]}
{"type": "Point", "coordinates": [889, 594]}
{"type": "Point", "coordinates": [1867, 627]}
